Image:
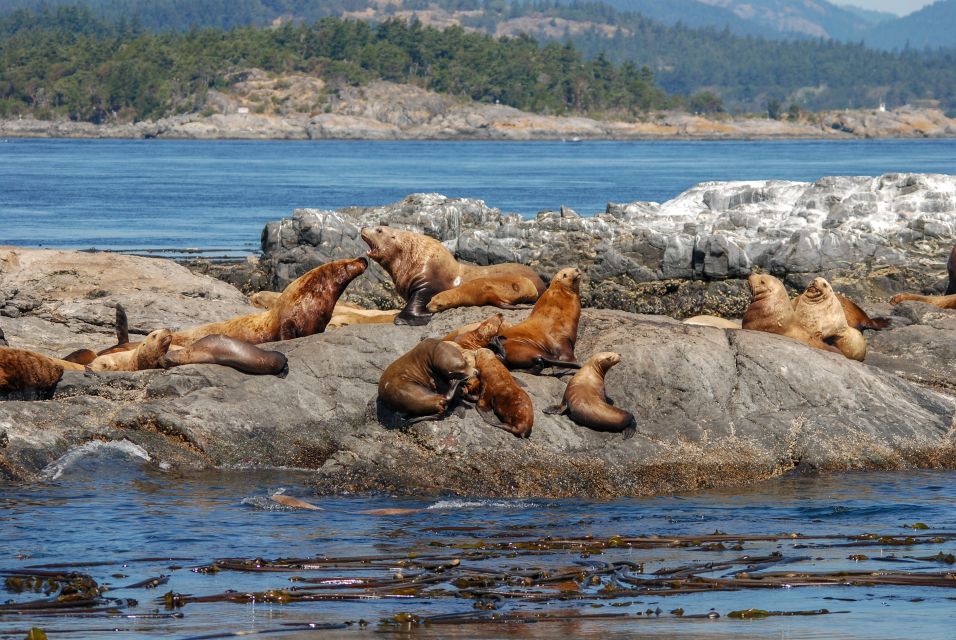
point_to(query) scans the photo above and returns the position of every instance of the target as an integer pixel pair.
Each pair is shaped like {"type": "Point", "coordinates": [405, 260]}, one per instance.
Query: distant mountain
{"type": "Point", "coordinates": [870, 16]}
{"type": "Point", "coordinates": [931, 27]}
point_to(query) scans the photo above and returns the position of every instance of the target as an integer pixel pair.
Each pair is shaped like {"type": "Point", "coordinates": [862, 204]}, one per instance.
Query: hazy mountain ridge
{"type": "Point", "coordinates": [930, 27]}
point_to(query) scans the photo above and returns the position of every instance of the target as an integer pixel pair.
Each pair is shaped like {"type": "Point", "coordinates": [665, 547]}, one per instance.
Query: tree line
{"type": "Point", "coordinates": [67, 61]}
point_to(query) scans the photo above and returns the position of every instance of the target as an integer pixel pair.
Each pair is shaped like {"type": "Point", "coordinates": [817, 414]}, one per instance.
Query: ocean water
{"type": "Point", "coordinates": [147, 194]}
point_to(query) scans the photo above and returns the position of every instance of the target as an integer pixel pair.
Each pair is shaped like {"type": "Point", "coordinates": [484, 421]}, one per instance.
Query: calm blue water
{"type": "Point", "coordinates": [159, 193]}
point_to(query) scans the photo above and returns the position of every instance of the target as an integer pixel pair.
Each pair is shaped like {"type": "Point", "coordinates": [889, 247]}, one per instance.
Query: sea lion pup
{"type": "Point", "coordinates": [477, 335]}
{"type": "Point", "coordinates": [423, 382]}
{"type": "Point", "coordinates": [25, 375]}
{"type": "Point", "coordinates": [229, 352]}
{"type": "Point", "coordinates": [304, 308]}
{"type": "Point", "coordinates": [713, 321]}
{"type": "Point", "coordinates": [547, 337]}
{"type": "Point", "coordinates": [148, 354]}
{"type": "Point", "coordinates": [501, 402]}
{"type": "Point", "coordinates": [821, 313]}
{"type": "Point", "coordinates": [501, 291]}
{"type": "Point", "coordinates": [771, 311]}
{"type": "Point", "coordinates": [857, 318]}
{"type": "Point", "coordinates": [421, 267]}
{"type": "Point", "coordinates": [586, 402]}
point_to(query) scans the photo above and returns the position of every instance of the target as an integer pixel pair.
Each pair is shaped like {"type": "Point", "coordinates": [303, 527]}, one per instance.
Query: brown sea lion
{"type": "Point", "coordinates": [477, 335]}
{"type": "Point", "coordinates": [229, 352]}
{"type": "Point", "coordinates": [148, 354]}
{"type": "Point", "coordinates": [25, 375]}
{"type": "Point", "coordinates": [304, 308]}
{"type": "Point", "coordinates": [501, 402]}
{"type": "Point", "coordinates": [264, 299]}
{"type": "Point", "coordinates": [858, 318]}
{"type": "Point", "coordinates": [421, 267]}
{"type": "Point", "coordinates": [295, 503]}
{"type": "Point", "coordinates": [548, 336]}
{"type": "Point", "coordinates": [81, 356]}
{"type": "Point", "coordinates": [586, 402]}
{"type": "Point", "coordinates": [821, 313]}
{"type": "Point", "coordinates": [943, 302]}
{"type": "Point", "coordinates": [713, 321]}
{"type": "Point", "coordinates": [771, 311]}
{"type": "Point", "coordinates": [122, 334]}
{"type": "Point", "coordinates": [504, 292]}
{"type": "Point", "coordinates": [423, 383]}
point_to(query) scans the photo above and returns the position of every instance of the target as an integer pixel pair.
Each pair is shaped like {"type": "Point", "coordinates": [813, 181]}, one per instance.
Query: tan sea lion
{"type": "Point", "coordinates": [148, 354]}
{"type": "Point", "coordinates": [229, 352]}
{"type": "Point", "coordinates": [586, 402]}
{"type": "Point", "coordinates": [504, 292]}
{"type": "Point", "coordinates": [264, 299]}
{"type": "Point", "coordinates": [304, 308]}
{"type": "Point", "coordinates": [713, 321]}
{"type": "Point", "coordinates": [421, 267]}
{"type": "Point", "coordinates": [858, 319]}
{"type": "Point", "coordinates": [423, 383]}
{"type": "Point", "coordinates": [943, 302]}
{"type": "Point", "coordinates": [771, 311]}
{"type": "Point", "coordinates": [548, 336]}
{"type": "Point", "coordinates": [821, 313]}
{"type": "Point", "coordinates": [477, 335]}
{"type": "Point", "coordinates": [25, 375]}
{"type": "Point", "coordinates": [364, 316]}
{"type": "Point", "coordinates": [501, 402]}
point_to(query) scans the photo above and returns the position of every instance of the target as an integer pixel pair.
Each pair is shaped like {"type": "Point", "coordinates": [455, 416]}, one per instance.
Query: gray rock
{"type": "Point", "coordinates": [713, 408]}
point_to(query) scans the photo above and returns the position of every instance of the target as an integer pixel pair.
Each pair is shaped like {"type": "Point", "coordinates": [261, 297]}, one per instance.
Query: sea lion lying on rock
{"type": "Point", "coordinates": [857, 318]}
{"type": "Point", "coordinates": [713, 321]}
{"type": "Point", "coordinates": [25, 375]}
{"type": "Point", "coordinates": [771, 311]}
{"type": "Point", "coordinates": [586, 402]}
{"type": "Point", "coordinates": [477, 335]}
{"type": "Point", "coordinates": [423, 383]}
{"type": "Point", "coordinates": [501, 402]}
{"type": "Point", "coordinates": [148, 354]}
{"type": "Point", "coordinates": [547, 337]}
{"type": "Point", "coordinates": [229, 352]}
{"type": "Point", "coordinates": [304, 308]}
{"type": "Point", "coordinates": [343, 313]}
{"type": "Point", "coordinates": [421, 267]}
{"type": "Point", "coordinates": [821, 313]}
{"type": "Point", "coordinates": [503, 292]}
{"type": "Point", "coordinates": [947, 301]}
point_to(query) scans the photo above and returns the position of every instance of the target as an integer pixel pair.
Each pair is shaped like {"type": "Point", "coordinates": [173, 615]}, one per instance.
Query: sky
{"type": "Point", "coordinates": [899, 7]}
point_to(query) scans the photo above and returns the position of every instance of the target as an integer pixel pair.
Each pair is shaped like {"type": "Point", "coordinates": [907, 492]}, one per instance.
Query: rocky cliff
{"type": "Point", "coordinates": [871, 237]}
{"type": "Point", "coordinates": [714, 407]}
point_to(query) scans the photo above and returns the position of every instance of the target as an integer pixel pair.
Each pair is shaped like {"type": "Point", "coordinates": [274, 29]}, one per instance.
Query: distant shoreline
{"type": "Point", "coordinates": [498, 123]}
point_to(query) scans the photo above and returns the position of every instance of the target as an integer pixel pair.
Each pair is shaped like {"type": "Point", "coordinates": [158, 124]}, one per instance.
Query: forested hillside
{"type": "Point", "coordinates": [67, 62]}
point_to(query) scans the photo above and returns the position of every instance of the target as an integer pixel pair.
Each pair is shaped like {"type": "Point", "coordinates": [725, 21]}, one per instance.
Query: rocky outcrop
{"type": "Point", "coordinates": [871, 237]}
{"type": "Point", "coordinates": [714, 407]}
{"type": "Point", "coordinates": [296, 107]}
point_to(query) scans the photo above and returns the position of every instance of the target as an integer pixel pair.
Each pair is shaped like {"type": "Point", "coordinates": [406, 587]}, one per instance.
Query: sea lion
{"type": "Point", "coordinates": [586, 402]}
{"type": "Point", "coordinates": [423, 383]}
{"type": "Point", "coordinates": [501, 402]}
{"type": "Point", "coordinates": [771, 311]}
{"type": "Point", "coordinates": [81, 356]}
{"type": "Point", "coordinates": [504, 292]}
{"type": "Point", "coordinates": [421, 267]}
{"type": "Point", "coordinates": [547, 337]}
{"type": "Point", "coordinates": [148, 354]}
{"type": "Point", "coordinates": [25, 375]}
{"type": "Point", "coordinates": [713, 321]}
{"type": "Point", "coordinates": [821, 313]}
{"type": "Point", "coordinates": [228, 352]}
{"type": "Point", "coordinates": [363, 316]}
{"type": "Point", "coordinates": [943, 302]}
{"type": "Point", "coordinates": [122, 334]}
{"type": "Point", "coordinates": [477, 335]}
{"type": "Point", "coordinates": [857, 318]}
{"type": "Point", "coordinates": [304, 308]}
{"type": "Point", "coordinates": [264, 299]}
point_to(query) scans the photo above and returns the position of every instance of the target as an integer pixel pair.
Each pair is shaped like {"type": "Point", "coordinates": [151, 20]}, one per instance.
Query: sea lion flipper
{"type": "Point", "coordinates": [548, 362]}
{"type": "Point", "coordinates": [288, 330]}
{"type": "Point", "coordinates": [629, 431]}
{"type": "Point", "coordinates": [122, 325]}
{"type": "Point", "coordinates": [555, 409]}
{"type": "Point", "coordinates": [416, 312]}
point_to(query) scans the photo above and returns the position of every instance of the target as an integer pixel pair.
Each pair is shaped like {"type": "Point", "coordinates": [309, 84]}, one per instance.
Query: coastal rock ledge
{"type": "Point", "coordinates": [870, 236]}
{"type": "Point", "coordinates": [714, 407]}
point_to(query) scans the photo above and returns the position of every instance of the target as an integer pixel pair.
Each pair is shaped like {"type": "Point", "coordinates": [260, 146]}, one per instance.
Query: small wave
{"type": "Point", "coordinates": [95, 448]}
{"type": "Point", "coordinates": [484, 504]}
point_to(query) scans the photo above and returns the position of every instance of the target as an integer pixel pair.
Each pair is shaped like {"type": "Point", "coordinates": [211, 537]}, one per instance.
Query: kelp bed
{"type": "Point", "coordinates": [498, 578]}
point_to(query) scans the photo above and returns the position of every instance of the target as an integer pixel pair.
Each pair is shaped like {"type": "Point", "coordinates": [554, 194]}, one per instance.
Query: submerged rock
{"type": "Point", "coordinates": [869, 236]}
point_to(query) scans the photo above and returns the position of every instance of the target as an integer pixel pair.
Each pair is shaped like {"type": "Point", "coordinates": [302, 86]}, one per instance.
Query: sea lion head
{"type": "Point", "coordinates": [452, 362]}
{"type": "Point", "coordinates": [764, 285]}
{"type": "Point", "coordinates": [569, 278]}
{"type": "Point", "coordinates": [605, 360]}
{"type": "Point", "coordinates": [489, 328]}
{"type": "Point", "coordinates": [379, 241]}
{"type": "Point", "coordinates": [817, 291]}
{"type": "Point", "coordinates": [150, 354]}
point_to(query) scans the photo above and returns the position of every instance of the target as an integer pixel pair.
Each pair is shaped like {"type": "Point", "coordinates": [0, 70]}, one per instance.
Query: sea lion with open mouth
{"type": "Point", "coordinates": [820, 312]}
{"type": "Point", "coordinates": [421, 267]}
